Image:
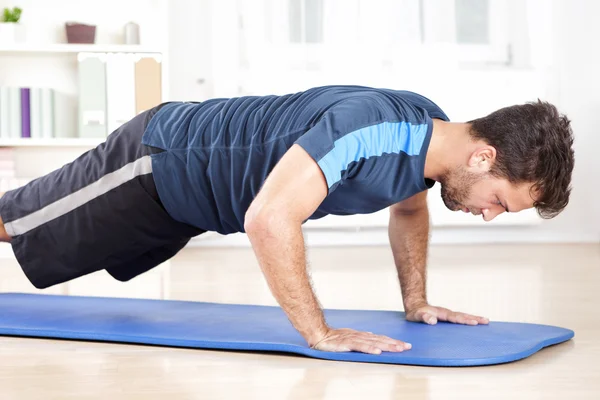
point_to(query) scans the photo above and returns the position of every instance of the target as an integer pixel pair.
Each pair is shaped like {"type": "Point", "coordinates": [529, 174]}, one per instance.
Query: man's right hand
{"type": "Point", "coordinates": [365, 342]}
{"type": "Point", "coordinates": [273, 223]}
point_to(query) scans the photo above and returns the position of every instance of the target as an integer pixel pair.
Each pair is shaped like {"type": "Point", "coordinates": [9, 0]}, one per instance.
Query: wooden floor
{"type": "Point", "coordinates": [558, 284]}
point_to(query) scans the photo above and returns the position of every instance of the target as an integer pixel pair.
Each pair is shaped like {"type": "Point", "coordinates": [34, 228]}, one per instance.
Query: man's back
{"type": "Point", "coordinates": [370, 144]}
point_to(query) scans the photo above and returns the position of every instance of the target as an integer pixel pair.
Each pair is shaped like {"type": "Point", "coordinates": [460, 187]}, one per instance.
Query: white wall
{"type": "Point", "coordinates": [578, 61]}
{"type": "Point", "coordinates": [563, 52]}
{"type": "Point", "coordinates": [45, 19]}
{"type": "Point", "coordinates": [560, 46]}
{"type": "Point", "coordinates": [562, 60]}
{"type": "Point", "coordinates": [190, 74]}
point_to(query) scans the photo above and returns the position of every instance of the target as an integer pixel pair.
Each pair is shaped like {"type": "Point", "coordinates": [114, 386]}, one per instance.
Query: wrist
{"type": "Point", "coordinates": [316, 335]}
{"type": "Point", "coordinates": [412, 303]}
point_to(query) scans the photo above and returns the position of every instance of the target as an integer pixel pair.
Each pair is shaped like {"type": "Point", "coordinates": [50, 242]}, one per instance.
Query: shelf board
{"type": "Point", "coordinates": [65, 48]}
{"type": "Point", "coordinates": [55, 142]}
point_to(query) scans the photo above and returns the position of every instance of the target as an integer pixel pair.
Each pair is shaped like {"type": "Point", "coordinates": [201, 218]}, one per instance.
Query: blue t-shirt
{"type": "Point", "coordinates": [369, 143]}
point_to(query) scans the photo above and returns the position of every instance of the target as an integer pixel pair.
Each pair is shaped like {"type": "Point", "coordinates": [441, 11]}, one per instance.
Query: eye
{"type": "Point", "coordinates": [500, 204]}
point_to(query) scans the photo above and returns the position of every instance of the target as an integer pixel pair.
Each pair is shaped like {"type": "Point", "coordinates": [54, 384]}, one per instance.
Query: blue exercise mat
{"type": "Point", "coordinates": [262, 328]}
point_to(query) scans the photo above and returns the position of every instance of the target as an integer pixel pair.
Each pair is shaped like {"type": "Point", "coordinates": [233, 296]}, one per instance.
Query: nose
{"type": "Point", "coordinates": [491, 213]}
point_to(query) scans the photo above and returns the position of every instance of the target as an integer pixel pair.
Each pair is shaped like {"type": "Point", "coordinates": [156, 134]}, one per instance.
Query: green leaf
{"type": "Point", "coordinates": [17, 14]}
{"type": "Point", "coordinates": [13, 15]}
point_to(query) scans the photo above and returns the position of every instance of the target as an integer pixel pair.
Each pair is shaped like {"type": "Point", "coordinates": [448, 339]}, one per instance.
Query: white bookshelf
{"type": "Point", "coordinates": [44, 59]}
{"type": "Point", "coordinates": [64, 48]}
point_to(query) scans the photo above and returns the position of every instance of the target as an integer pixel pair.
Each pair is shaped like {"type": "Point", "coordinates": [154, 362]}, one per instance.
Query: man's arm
{"type": "Point", "coordinates": [273, 223]}
{"type": "Point", "coordinates": [409, 239]}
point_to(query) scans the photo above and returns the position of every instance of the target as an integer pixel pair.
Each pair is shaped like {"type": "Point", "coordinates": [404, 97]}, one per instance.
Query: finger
{"type": "Point", "coordinates": [429, 319]}
{"type": "Point", "coordinates": [383, 342]}
{"type": "Point", "coordinates": [462, 318]}
{"type": "Point", "coordinates": [474, 319]}
{"type": "Point", "coordinates": [424, 316]}
{"type": "Point", "coordinates": [351, 340]}
{"type": "Point", "coordinates": [388, 340]}
{"type": "Point", "coordinates": [380, 338]}
{"type": "Point", "coordinates": [399, 344]}
{"type": "Point", "coordinates": [481, 320]}
{"type": "Point", "coordinates": [457, 318]}
{"type": "Point", "coordinates": [442, 314]}
{"type": "Point", "coordinates": [332, 345]}
{"type": "Point", "coordinates": [383, 346]}
{"type": "Point", "coordinates": [362, 346]}
{"type": "Point", "coordinates": [378, 345]}
{"type": "Point", "coordinates": [387, 344]}
{"type": "Point", "coordinates": [447, 315]}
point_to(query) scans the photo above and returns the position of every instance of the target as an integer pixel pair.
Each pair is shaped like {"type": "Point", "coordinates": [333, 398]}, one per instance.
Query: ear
{"type": "Point", "coordinates": [483, 158]}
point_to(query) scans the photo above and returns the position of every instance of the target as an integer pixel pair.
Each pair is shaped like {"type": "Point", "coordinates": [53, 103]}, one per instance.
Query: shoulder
{"type": "Point", "coordinates": [419, 101]}
{"type": "Point", "coordinates": [386, 105]}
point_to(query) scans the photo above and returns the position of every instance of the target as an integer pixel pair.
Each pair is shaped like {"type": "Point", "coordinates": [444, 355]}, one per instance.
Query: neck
{"type": "Point", "coordinates": [448, 141]}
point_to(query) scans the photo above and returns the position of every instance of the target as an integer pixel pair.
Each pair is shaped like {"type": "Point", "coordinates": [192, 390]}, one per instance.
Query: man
{"type": "Point", "coordinates": [264, 165]}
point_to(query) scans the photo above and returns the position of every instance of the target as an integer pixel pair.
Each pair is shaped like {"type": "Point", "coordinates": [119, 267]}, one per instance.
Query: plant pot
{"type": "Point", "coordinates": [80, 33]}
{"type": "Point", "coordinates": [11, 33]}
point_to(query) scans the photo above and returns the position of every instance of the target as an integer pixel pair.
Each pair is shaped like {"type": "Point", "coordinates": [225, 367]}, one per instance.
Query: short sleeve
{"type": "Point", "coordinates": [359, 131]}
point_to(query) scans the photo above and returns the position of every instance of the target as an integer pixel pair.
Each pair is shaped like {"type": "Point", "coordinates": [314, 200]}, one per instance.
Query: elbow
{"type": "Point", "coordinates": [269, 222]}
{"type": "Point", "coordinates": [254, 225]}
{"type": "Point", "coordinates": [252, 219]}
{"type": "Point", "coordinates": [256, 221]}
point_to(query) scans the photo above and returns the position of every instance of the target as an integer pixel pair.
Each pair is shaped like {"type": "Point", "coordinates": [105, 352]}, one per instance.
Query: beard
{"type": "Point", "coordinates": [456, 188]}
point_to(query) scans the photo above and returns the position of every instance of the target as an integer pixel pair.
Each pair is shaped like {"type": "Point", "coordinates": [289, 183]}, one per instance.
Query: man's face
{"type": "Point", "coordinates": [480, 193]}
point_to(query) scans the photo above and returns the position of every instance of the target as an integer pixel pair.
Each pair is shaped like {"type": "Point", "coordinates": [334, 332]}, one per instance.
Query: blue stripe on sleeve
{"type": "Point", "coordinates": [372, 141]}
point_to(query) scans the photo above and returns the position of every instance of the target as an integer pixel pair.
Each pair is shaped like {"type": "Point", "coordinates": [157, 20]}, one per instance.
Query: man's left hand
{"type": "Point", "coordinates": [431, 315]}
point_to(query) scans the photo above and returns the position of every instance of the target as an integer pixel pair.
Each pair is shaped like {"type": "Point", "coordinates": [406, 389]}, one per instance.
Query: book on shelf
{"type": "Point", "coordinates": [148, 83]}
{"type": "Point", "coordinates": [113, 88]}
{"type": "Point", "coordinates": [10, 112]}
{"type": "Point", "coordinates": [120, 89]}
{"type": "Point", "coordinates": [25, 113]}
{"type": "Point", "coordinates": [33, 112]}
{"type": "Point", "coordinates": [91, 70]}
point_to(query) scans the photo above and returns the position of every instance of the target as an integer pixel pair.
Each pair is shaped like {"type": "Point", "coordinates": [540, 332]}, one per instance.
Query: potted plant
{"type": "Point", "coordinates": [10, 28]}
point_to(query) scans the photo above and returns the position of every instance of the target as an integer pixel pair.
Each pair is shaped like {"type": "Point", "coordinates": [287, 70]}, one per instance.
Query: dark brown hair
{"type": "Point", "coordinates": [533, 143]}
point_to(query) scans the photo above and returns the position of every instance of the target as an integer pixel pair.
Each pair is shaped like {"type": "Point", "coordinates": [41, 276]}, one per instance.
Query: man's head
{"type": "Point", "coordinates": [522, 158]}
